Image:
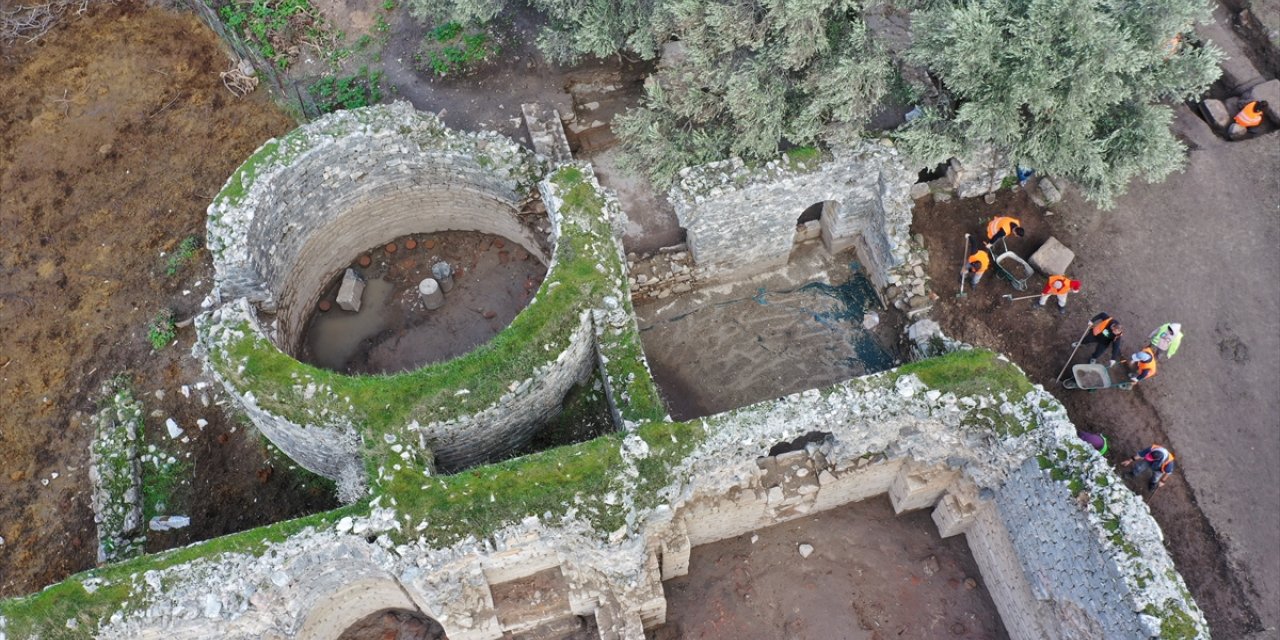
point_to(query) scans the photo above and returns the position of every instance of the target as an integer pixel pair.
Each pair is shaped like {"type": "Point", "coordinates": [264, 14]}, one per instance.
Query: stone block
{"type": "Point", "coordinates": [919, 190]}
{"type": "Point", "coordinates": [1052, 257]}
{"type": "Point", "coordinates": [1269, 91]}
{"type": "Point", "coordinates": [1049, 191]}
{"type": "Point", "coordinates": [1237, 132]}
{"type": "Point", "coordinates": [1215, 111]}
{"type": "Point", "coordinates": [351, 291]}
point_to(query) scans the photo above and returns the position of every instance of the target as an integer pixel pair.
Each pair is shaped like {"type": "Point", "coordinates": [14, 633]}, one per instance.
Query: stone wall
{"type": "Point", "coordinates": [1051, 565]}
{"type": "Point", "coordinates": [509, 424]}
{"type": "Point", "coordinates": [302, 207]}
{"type": "Point", "coordinates": [743, 219]}
{"type": "Point", "coordinates": [116, 475]}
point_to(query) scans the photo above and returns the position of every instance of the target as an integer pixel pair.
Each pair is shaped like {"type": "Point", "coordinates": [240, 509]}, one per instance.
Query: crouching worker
{"type": "Point", "coordinates": [978, 264]}
{"type": "Point", "coordinates": [1154, 459]}
{"type": "Point", "coordinates": [1142, 365]}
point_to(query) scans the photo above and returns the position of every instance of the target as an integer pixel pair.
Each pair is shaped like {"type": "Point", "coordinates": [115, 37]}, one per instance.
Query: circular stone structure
{"type": "Point", "coordinates": [292, 217]}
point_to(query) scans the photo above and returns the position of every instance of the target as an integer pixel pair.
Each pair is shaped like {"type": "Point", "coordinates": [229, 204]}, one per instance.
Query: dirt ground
{"type": "Point", "coordinates": [871, 575]}
{"type": "Point", "coordinates": [1167, 253]}
{"type": "Point", "coordinates": [793, 329]}
{"type": "Point", "coordinates": [494, 278]}
{"type": "Point", "coordinates": [115, 132]}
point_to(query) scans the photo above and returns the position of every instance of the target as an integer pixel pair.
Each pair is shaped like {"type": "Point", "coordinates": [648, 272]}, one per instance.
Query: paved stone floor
{"type": "Point", "coordinates": [725, 346]}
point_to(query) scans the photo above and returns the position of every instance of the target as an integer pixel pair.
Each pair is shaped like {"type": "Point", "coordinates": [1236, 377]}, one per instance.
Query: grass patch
{"type": "Point", "coordinates": [162, 330]}
{"type": "Point", "coordinates": [273, 27]}
{"type": "Point", "coordinates": [347, 92]}
{"type": "Point", "coordinates": [969, 372]}
{"type": "Point", "coordinates": [183, 254]}
{"type": "Point", "coordinates": [804, 155]}
{"type": "Point", "coordinates": [454, 49]}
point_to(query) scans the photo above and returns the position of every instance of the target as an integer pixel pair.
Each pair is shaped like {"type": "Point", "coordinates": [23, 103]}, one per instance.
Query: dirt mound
{"type": "Point", "coordinates": [115, 132]}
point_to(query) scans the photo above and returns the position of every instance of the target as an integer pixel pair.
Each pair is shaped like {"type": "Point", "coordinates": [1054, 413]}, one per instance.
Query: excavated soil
{"type": "Point", "coordinates": [869, 575]}
{"type": "Point", "coordinates": [494, 278]}
{"type": "Point", "coordinates": [115, 132]}
{"type": "Point", "coordinates": [1039, 341]}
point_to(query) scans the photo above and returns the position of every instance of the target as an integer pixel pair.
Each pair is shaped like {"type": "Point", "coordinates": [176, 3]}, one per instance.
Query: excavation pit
{"type": "Point", "coordinates": [856, 572]}
{"type": "Point", "coordinates": [395, 330]}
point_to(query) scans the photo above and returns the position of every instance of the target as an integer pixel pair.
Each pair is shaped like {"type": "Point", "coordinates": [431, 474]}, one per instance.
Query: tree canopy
{"type": "Point", "coordinates": [1075, 88]}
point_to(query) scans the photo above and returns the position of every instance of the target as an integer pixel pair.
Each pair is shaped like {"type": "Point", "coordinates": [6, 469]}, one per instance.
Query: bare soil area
{"type": "Point", "coordinates": [115, 133]}
{"type": "Point", "coordinates": [493, 279]}
{"type": "Point", "coordinates": [871, 575]}
{"type": "Point", "coordinates": [1039, 340]}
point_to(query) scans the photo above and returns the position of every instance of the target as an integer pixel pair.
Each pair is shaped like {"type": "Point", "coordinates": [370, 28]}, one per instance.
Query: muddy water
{"type": "Point", "coordinates": [494, 278]}
{"type": "Point", "coordinates": [335, 336]}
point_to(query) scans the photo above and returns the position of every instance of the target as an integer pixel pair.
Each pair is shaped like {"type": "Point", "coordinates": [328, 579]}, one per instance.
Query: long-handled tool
{"type": "Point", "coordinates": [1009, 297]}
{"type": "Point", "coordinates": [963, 271]}
{"type": "Point", "coordinates": [1079, 341]}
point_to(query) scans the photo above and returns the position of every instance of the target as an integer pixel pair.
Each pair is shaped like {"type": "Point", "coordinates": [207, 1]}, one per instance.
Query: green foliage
{"type": "Point", "coordinates": [1070, 88]}
{"type": "Point", "coordinates": [969, 372]}
{"type": "Point", "coordinates": [451, 49]}
{"type": "Point", "coordinates": [161, 478]}
{"type": "Point", "coordinates": [185, 251]}
{"type": "Point", "coordinates": [389, 5]}
{"type": "Point", "coordinates": [271, 26]}
{"type": "Point", "coordinates": [161, 330]}
{"type": "Point", "coordinates": [347, 92]}
{"type": "Point", "coordinates": [742, 81]}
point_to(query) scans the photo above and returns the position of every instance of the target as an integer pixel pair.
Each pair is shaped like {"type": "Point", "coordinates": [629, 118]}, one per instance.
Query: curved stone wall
{"type": "Point", "coordinates": [302, 207]}
{"type": "Point", "coordinates": [296, 213]}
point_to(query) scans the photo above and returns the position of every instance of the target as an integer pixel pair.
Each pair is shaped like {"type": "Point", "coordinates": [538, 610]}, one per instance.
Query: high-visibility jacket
{"type": "Point", "coordinates": [1002, 223]}
{"type": "Point", "coordinates": [1249, 116]}
{"type": "Point", "coordinates": [983, 260]}
{"type": "Point", "coordinates": [1148, 368]}
{"type": "Point", "coordinates": [1057, 285]}
{"type": "Point", "coordinates": [1167, 338]}
{"type": "Point", "coordinates": [1157, 453]}
{"type": "Point", "coordinates": [1099, 327]}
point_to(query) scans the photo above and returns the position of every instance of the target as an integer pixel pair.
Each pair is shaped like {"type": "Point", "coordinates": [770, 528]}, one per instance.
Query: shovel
{"type": "Point", "coordinates": [963, 271]}
{"type": "Point", "coordinates": [1073, 351]}
{"type": "Point", "coordinates": [1009, 297]}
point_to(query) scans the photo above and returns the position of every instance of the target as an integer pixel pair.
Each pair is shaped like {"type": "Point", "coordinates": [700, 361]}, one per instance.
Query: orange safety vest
{"type": "Point", "coordinates": [983, 261]}
{"type": "Point", "coordinates": [1249, 116]}
{"type": "Point", "coordinates": [1168, 457]}
{"type": "Point", "coordinates": [1058, 285]}
{"type": "Point", "coordinates": [1148, 366]}
{"type": "Point", "coordinates": [1002, 223]}
{"type": "Point", "coordinates": [1102, 326]}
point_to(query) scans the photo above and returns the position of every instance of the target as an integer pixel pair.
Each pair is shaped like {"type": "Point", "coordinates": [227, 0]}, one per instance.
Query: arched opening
{"type": "Point", "coordinates": [394, 624]}
{"type": "Point", "coordinates": [811, 221]}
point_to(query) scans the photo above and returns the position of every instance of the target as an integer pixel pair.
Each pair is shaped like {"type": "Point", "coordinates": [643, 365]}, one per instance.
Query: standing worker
{"type": "Point", "coordinates": [1058, 286]}
{"type": "Point", "coordinates": [1142, 365]}
{"type": "Point", "coordinates": [1156, 459]}
{"type": "Point", "coordinates": [1251, 115]}
{"type": "Point", "coordinates": [1002, 227]}
{"type": "Point", "coordinates": [1104, 331]}
{"type": "Point", "coordinates": [977, 265]}
{"type": "Point", "coordinates": [1166, 339]}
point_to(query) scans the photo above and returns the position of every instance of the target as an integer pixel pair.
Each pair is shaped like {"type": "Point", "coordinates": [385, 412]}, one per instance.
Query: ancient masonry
{"type": "Point", "coordinates": [1065, 549]}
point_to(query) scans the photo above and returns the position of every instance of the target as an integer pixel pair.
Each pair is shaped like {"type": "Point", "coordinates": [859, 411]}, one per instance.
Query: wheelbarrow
{"type": "Point", "coordinates": [1092, 377]}
{"type": "Point", "coordinates": [1013, 268]}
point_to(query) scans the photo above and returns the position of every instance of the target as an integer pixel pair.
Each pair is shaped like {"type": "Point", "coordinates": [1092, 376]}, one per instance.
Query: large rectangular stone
{"type": "Point", "coordinates": [1052, 258]}
{"type": "Point", "coordinates": [351, 291]}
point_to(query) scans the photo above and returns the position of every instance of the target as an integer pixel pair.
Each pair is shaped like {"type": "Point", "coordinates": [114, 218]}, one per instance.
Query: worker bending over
{"type": "Point", "coordinates": [1251, 115]}
{"type": "Point", "coordinates": [1142, 365]}
{"type": "Point", "coordinates": [1155, 459]}
{"type": "Point", "coordinates": [1104, 331]}
{"type": "Point", "coordinates": [1002, 227]}
{"type": "Point", "coordinates": [978, 264]}
{"type": "Point", "coordinates": [1059, 286]}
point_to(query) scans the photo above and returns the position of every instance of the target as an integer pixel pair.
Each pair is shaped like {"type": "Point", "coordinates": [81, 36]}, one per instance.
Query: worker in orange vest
{"type": "Point", "coordinates": [1104, 331]}
{"type": "Point", "coordinates": [1142, 365]}
{"type": "Point", "coordinates": [1059, 286]}
{"type": "Point", "coordinates": [1156, 459]}
{"type": "Point", "coordinates": [978, 264]}
{"type": "Point", "coordinates": [1001, 227]}
{"type": "Point", "coordinates": [1251, 115]}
